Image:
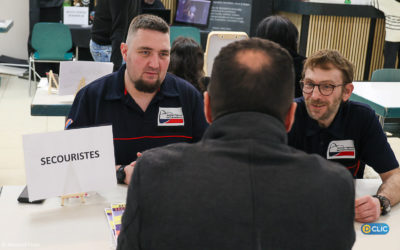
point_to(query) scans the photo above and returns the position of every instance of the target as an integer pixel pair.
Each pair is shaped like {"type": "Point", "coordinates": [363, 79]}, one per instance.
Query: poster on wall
{"type": "Point", "coordinates": [231, 15]}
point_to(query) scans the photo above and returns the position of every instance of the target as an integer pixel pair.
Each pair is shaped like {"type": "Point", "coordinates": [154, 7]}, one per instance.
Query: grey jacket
{"type": "Point", "coordinates": [240, 187]}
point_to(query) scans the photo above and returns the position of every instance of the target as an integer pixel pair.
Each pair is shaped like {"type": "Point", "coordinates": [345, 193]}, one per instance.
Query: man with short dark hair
{"type": "Point", "coordinates": [241, 186]}
{"type": "Point", "coordinates": [146, 106]}
{"type": "Point", "coordinates": [347, 132]}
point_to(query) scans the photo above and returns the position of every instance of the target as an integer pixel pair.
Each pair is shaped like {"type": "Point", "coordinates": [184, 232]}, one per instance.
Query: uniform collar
{"type": "Point", "coordinates": [258, 126]}
{"type": "Point", "coordinates": [336, 128]}
{"type": "Point", "coordinates": [116, 90]}
{"type": "Point", "coordinates": [169, 87]}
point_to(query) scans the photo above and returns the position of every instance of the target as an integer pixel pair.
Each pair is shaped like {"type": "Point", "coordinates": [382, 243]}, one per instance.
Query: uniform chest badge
{"type": "Point", "coordinates": [343, 149]}
{"type": "Point", "coordinates": [170, 117]}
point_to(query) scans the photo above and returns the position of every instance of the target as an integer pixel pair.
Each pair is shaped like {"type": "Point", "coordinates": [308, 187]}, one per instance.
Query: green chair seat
{"type": "Point", "coordinates": [66, 57]}
{"type": "Point", "coordinates": [386, 75]}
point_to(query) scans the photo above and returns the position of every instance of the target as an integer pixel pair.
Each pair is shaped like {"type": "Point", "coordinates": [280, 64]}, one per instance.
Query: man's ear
{"type": "Point", "coordinates": [124, 50]}
{"type": "Point", "coordinates": [207, 108]}
{"type": "Point", "coordinates": [347, 90]}
{"type": "Point", "coordinates": [289, 120]}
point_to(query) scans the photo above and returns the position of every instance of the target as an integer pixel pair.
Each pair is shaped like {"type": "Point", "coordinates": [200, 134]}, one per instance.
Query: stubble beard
{"type": "Point", "coordinates": [331, 109]}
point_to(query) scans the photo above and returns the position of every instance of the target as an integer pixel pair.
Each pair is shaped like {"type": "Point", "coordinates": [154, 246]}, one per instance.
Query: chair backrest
{"type": "Point", "coordinates": [215, 41]}
{"type": "Point", "coordinates": [186, 31]}
{"type": "Point", "coordinates": [386, 75]}
{"type": "Point", "coordinates": [51, 41]}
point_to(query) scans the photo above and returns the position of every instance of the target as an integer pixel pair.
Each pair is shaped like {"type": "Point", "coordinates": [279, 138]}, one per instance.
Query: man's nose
{"type": "Point", "coordinates": [154, 61]}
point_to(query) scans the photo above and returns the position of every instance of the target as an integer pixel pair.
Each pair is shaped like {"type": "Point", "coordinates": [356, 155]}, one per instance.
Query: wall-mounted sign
{"type": "Point", "coordinates": [230, 15]}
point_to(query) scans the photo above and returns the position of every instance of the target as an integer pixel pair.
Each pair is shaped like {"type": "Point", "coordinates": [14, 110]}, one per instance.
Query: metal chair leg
{"type": "Point", "coordinates": [34, 78]}
{"type": "Point", "coordinates": [30, 75]}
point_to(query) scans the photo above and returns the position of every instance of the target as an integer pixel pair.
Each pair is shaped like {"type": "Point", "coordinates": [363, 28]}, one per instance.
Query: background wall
{"type": "Point", "coordinates": [14, 42]}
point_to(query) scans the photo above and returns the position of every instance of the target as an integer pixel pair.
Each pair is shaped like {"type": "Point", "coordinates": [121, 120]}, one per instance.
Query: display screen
{"type": "Point", "coordinates": [194, 12]}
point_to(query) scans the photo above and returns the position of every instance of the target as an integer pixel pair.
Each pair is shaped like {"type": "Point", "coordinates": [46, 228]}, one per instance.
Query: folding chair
{"type": "Point", "coordinates": [391, 125]}
{"type": "Point", "coordinates": [186, 31]}
{"type": "Point", "coordinates": [51, 42]}
{"type": "Point", "coordinates": [386, 75]}
{"type": "Point", "coordinates": [215, 41]}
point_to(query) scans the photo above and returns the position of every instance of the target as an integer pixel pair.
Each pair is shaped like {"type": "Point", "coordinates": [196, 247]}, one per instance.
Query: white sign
{"type": "Point", "coordinates": [69, 162]}
{"type": "Point", "coordinates": [72, 72]}
{"type": "Point", "coordinates": [76, 15]}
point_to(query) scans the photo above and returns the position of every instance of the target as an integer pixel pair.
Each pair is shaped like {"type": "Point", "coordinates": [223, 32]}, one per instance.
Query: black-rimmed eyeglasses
{"type": "Point", "coordinates": [324, 88]}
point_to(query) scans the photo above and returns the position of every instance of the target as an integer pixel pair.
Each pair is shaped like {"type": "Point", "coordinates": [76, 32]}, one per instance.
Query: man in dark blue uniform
{"type": "Point", "coordinates": [146, 106]}
{"type": "Point", "coordinates": [328, 124]}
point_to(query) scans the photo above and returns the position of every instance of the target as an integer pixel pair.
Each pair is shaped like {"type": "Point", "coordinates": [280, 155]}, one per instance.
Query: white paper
{"type": "Point", "coordinates": [72, 72]}
{"type": "Point", "coordinates": [52, 170]}
{"type": "Point", "coordinates": [76, 15]}
{"type": "Point", "coordinates": [12, 70]}
{"type": "Point", "coordinates": [366, 186]}
{"type": "Point", "coordinates": [4, 24]}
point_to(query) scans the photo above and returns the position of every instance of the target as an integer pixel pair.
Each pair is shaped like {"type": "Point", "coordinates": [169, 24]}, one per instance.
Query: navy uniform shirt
{"type": "Point", "coordinates": [354, 138]}
{"type": "Point", "coordinates": [175, 114]}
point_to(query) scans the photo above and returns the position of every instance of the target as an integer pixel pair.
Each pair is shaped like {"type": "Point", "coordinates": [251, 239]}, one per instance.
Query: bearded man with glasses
{"type": "Point", "coordinates": [343, 131]}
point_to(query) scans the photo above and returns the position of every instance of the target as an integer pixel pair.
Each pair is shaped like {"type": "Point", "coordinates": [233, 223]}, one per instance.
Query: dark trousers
{"type": "Point", "coordinates": [391, 51]}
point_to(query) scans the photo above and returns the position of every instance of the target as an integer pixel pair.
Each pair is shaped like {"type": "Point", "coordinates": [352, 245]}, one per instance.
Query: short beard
{"type": "Point", "coordinates": [332, 109]}
{"type": "Point", "coordinates": [145, 87]}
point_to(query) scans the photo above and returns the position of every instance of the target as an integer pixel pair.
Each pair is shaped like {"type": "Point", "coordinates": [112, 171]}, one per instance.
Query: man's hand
{"type": "Point", "coordinates": [367, 209]}
{"type": "Point", "coordinates": [129, 170]}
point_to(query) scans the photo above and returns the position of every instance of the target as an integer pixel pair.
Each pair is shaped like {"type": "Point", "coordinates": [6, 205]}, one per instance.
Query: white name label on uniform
{"type": "Point", "coordinates": [343, 149]}
{"type": "Point", "coordinates": [170, 117]}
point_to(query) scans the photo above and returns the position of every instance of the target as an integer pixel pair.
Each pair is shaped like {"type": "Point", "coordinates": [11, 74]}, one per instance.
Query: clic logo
{"type": "Point", "coordinates": [375, 228]}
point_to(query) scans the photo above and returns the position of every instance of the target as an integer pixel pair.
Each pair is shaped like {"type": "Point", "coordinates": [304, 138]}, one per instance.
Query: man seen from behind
{"type": "Point", "coordinates": [241, 186]}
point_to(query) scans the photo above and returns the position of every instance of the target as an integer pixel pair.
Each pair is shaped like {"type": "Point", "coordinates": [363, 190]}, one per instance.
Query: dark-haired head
{"type": "Point", "coordinates": [280, 30]}
{"type": "Point", "coordinates": [187, 61]}
{"type": "Point", "coordinates": [147, 22]}
{"type": "Point", "coordinates": [252, 75]}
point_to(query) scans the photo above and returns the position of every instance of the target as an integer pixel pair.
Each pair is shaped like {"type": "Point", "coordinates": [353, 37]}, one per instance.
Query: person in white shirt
{"type": "Point", "coordinates": [391, 9]}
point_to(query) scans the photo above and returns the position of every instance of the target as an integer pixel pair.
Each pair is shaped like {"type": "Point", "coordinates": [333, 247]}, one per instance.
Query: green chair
{"type": "Point", "coordinates": [51, 42]}
{"type": "Point", "coordinates": [186, 31]}
{"type": "Point", "coordinates": [386, 75]}
{"type": "Point", "coordinates": [391, 125]}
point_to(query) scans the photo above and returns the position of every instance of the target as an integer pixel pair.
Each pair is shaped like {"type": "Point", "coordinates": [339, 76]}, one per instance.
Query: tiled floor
{"type": "Point", "coordinates": [15, 121]}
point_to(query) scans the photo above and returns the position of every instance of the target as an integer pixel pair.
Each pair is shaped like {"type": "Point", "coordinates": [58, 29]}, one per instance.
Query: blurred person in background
{"type": "Point", "coordinates": [282, 31]}
{"type": "Point", "coordinates": [152, 4]}
{"type": "Point", "coordinates": [391, 50]}
{"type": "Point", "coordinates": [187, 61]}
{"type": "Point", "coordinates": [110, 27]}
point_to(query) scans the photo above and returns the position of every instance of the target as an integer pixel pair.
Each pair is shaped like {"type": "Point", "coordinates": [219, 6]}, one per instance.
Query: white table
{"type": "Point", "coordinates": [84, 226]}
{"type": "Point", "coordinates": [45, 104]}
{"type": "Point", "coordinates": [50, 226]}
{"type": "Point", "coordinates": [383, 97]}
{"type": "Point", "coordinates": [390, 241]}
